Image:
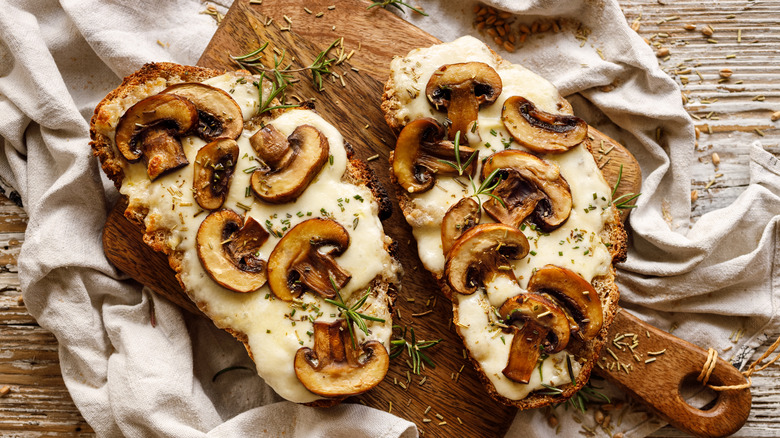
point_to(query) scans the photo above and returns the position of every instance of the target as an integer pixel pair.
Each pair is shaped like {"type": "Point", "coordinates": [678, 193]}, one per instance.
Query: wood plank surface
{"type": "Point", "coordinates": [45, 409]}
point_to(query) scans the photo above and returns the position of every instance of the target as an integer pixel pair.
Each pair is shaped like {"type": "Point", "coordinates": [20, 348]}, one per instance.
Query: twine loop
{"type": "Point", "coordinates": [712, 360]}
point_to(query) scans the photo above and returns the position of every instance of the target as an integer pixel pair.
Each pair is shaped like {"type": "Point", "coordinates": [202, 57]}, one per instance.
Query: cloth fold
{"type": "Point", "coordinates": [59, 59]}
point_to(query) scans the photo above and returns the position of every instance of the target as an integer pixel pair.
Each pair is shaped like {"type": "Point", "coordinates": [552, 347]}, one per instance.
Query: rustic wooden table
{"type": "Point", "coordinates": [725, 55]}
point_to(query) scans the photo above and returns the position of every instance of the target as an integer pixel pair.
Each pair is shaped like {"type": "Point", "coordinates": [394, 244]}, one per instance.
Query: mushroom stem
{"type": "Point", "coordinates": [525, 351]}
{"type": "Point", "coordinates": [462, 111]}
{"type": "Point", "coordinates": [162, 152]}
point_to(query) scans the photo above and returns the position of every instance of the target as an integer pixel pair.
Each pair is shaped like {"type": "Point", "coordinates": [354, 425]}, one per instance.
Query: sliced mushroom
{"type": "Point", "coordinates": [214, 166]}
{"type": "Point", "coordinates": [228, 249]}
{"type": "Point", "coordinates": [297, 264]}
{"type": "Point", "coordinates": [336, 368]}
{"type": "Point", "coordinates": [420, 155]}
{"type": "Point", "coordinates": [218, 114]}
{"type": "Point", "coordinates": [540, 131]}
{"type": "Point", "coordinates": [545, 328]}
{"type": "Point", "coordinates": [290, 163]}
{"type": "Point", "coordinates": [529, 186]}
{"type": "Point", "coordinates": [169, 117]}
{"type": "Point", "coordinates": [162, 152]}
{"type": "Point", "coordinates": [462, 89]}
{"type": "Point", "coordinates": [575, 295]}
{"type": "Point", "coordinates": [460, 218]}
{"type": "Point", "coordinates": [482, 253]}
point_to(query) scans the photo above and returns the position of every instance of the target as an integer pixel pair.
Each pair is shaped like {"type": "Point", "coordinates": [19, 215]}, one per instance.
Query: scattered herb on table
{"type": "Point", "coordinates": [414, 347]}
{"type": "Point", "coordinates": [396, 4]}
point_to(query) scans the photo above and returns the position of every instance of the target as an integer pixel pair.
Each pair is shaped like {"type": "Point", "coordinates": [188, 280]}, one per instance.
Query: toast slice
{"type": "Point", "coordinates": [487, 157]}
{"type": "Point", "coordinates": [269, 222]}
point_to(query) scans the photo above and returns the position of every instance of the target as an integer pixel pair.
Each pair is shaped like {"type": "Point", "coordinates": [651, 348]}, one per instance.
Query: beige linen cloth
{"type": "Point", "coordinates": [58, 59]}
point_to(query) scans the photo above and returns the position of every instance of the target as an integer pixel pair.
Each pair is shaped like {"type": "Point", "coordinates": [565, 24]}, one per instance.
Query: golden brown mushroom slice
{"type": "Point", "coordinates": [290, 164]}
{"type": "Point", "coordinates": [462, 89]}
{"type": "Point", "coordinates": [530, 187]}
{"type": "Point", "coordinates": [574, 294]}
{"type": "Point", "coordinates": [420, 155]}
{"type": "Point", "coordinates": [540, 131]}
{"type": "Point", "coordinates": [151, 129]}
{"type": "Point", "coordinates": [296, 264]}
{"type": "Point", "coordinates": [214, 166]}
{"type": "Point", "coordinates": [461, 217]}
{"type": "Point", "coordinates": [482, 253]}
{"type": "Point", "coordinates": [336, 368]}
{"type": "Point", "coordinates": [218, 114]}
{"type": "Point", "coordinates": [228, 249]}
{"type": "Point", "coordinates": [545, 328]}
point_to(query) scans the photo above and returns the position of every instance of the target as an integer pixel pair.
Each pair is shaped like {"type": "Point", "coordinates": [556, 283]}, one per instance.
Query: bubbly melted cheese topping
{"type": "Point", "coordinates": [275, 329]}
{"type": "Point", "coordinates": [576, 245]}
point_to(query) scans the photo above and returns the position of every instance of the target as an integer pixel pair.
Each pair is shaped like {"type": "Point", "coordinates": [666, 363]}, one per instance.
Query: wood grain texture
{"type": "Point", "coordinates": [38, 404]}
{"type": "Point", "coordinates": [657, 383]}
{"type": "Point", "coordinates": [757, 64]}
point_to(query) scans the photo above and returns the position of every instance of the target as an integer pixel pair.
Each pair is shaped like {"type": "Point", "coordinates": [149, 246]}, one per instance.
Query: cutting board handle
{"type": "Point", "coordinates": [658, 382]}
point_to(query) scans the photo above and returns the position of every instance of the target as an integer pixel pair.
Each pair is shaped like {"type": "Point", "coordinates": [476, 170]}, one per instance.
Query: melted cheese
{"type": "Point", "coordinates": [275, 329]}
{"type": "Point", "coordinates": [576, 245]}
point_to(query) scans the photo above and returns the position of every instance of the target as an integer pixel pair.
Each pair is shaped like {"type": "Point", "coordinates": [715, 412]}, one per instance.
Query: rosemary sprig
{"type": "Point", "coordinates": [457, 165]}
{"type": "Point", "coordinates": [280, 76]}
{"type": "Point", "coordinates": [622, 201]}
{"type": "Point", "coordinates": [396, 4]}
{"type": "Point", "coordinates": [488, 184]}
{"type": "Point", "coordinates": [277, 88]}
{"type": "Point", "coordinates": [321, 65]}
{"type": "Point", "coordinates": [414, 348]}
{"type": "Point", "coordinates": [588, 394]}
{"type": "Point", "coordinates": [580, 399]}
{"type": "Point", "coordinates": [351, 314]}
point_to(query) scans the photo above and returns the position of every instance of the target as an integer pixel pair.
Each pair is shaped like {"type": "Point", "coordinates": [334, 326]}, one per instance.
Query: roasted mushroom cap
{"type": "Point", "coordinates": [296, 263]}
{"type": "Point", "coordinates": [290, 164]}
{"type": "Point", "coordinates": [545, 328]}
{"type": "Point", "coordinates": [460, 218]}
{"type": "Point", "coordinates": [574, 294]}
{"type": "Point", "coordinates": [540, 131]}
{"type": "Point", "coordinates": [214, 166]}
{"type": "Point", "coordinates": [529, 186]}
{"type": "Point", "coordinates": [218, 114]}
{"type": "Point", "coordinates": [228, 250]}
{"type": "Point", "coordinates": [462, 89]}
{"type": "Point", "coordinates": [420, 152]}
{"type": "Point", "coordinates": [482, 253]}
{"type": "Point", "coordinates": [336, 368]}
{"type": "Point", "coordinates": [169, 117]}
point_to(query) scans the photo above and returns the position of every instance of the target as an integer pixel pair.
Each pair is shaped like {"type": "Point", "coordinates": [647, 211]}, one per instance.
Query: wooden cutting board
{"type": "Point", "coordinates": [451, 401]}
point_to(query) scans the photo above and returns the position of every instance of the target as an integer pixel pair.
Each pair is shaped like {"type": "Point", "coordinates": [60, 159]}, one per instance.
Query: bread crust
{"type": "Point", "coordinates": [613, 234]}
{"type": "Point", "coordinates": [153, 78]}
